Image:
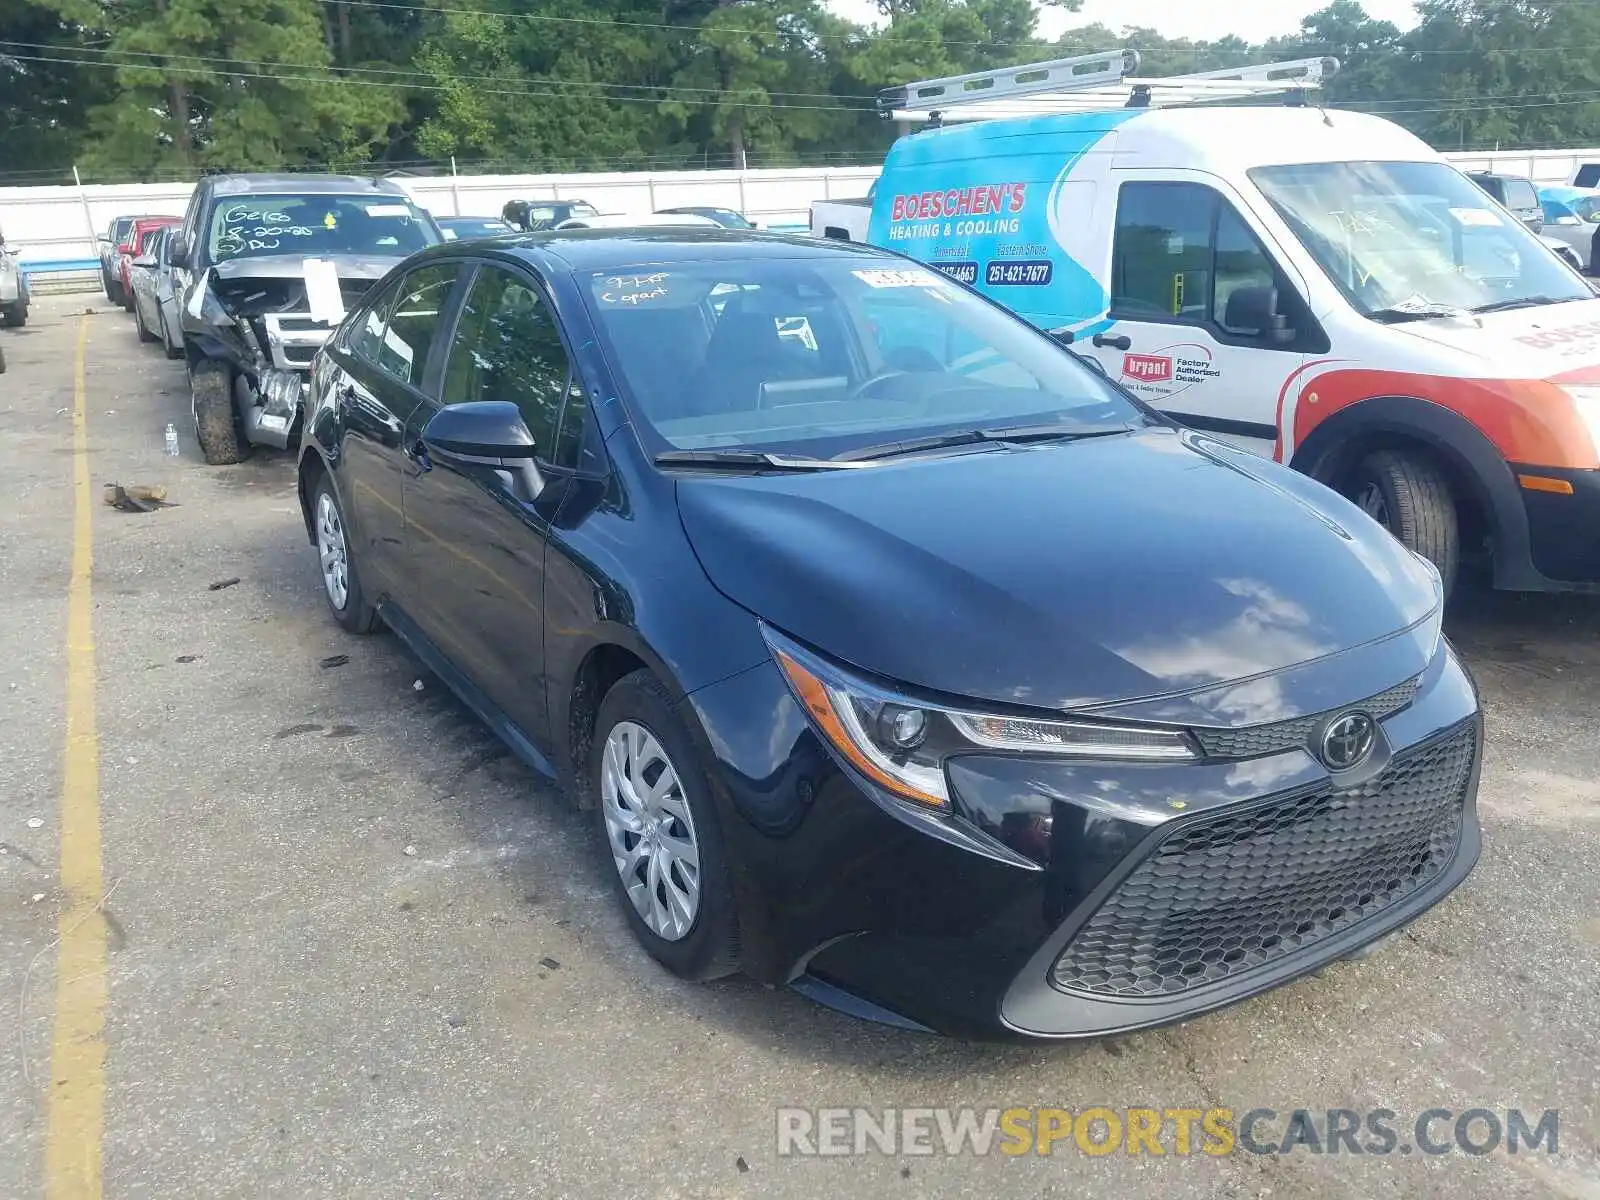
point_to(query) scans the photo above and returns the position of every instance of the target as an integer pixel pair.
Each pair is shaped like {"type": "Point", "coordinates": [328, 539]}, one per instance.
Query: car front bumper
{"type": "Point", "coordinates": [1563, 526]}
{"type": "Point", "coordinates": [1092, 898]}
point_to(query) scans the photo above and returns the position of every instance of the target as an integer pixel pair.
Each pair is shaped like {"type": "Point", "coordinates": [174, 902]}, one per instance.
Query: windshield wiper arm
{"type": "Point", "coordinates": [1398, 316]}
{"type": "Point", "coordinates": [973, 437]}
{"type": "Point", "coordinates": [749, 460]}
{"type": "Point", "coordinates": [1519, 302]}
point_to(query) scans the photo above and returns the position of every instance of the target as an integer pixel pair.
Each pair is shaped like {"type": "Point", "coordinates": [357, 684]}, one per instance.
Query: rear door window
{"type": "Point", "coordinates": [408, 329]}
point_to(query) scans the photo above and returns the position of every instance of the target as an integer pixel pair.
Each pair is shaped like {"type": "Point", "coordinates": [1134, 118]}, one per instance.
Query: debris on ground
{"type": "Point", "coordinates": [416, 685]}
{"type": "Point", "coordinates": [222, 583]}
{"type": "Point", "coordinates": [549, 964]}
{"type": "Point", "coordinates": [188, 658]}
{"type": "Point", "coordinates": [136, 498]}
{"type": "Point", "coordinates": [35, 822]}
{"type": "Point", "coordinates": [334, 660]}
{"type": "Point", "coordinates": [409, 852]}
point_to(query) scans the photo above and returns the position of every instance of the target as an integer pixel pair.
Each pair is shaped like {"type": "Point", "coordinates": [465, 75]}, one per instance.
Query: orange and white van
{"type": "Point", "coordinates": [1316, 285]}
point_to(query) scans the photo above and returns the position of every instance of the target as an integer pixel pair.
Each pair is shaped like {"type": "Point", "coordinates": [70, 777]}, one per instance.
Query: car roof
{"type": "Point", "coordinates": [307, 183]}
{"type": "Point", "coordinates": [603, 249]}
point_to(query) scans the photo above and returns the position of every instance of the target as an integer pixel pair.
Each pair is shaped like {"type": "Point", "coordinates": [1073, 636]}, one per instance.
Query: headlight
{"type": "Point", "coordinates": [1586, 400]}
{"type": "Point", "coordinates": [901, 743]}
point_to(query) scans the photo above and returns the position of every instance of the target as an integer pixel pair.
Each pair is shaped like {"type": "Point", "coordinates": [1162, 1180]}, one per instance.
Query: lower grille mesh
{"type": "Point", "coordinates": [1235, 892]}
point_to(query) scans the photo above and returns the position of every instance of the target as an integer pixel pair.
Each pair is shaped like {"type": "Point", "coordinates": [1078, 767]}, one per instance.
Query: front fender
{"type": "Point", "coordinates": [1472, 458]}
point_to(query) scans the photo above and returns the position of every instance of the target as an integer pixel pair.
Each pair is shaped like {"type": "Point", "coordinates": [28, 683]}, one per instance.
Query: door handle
{"type": "Point", "coordinates": [1116, 342]}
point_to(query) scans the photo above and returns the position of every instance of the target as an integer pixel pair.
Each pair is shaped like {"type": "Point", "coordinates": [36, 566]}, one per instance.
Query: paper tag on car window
{"type": "Point", "coordinates": [322, 291]}
{"type": "Point", "coordinates": [1474, 216]}
{"type": "Point", "coordinates": [388, 210]}
{"type": "Point", "coordinates": [884, 278]}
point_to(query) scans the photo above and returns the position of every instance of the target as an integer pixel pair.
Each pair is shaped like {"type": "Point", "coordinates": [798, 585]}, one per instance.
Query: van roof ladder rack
{"type": "Point", "coordinates": [1093, 82]}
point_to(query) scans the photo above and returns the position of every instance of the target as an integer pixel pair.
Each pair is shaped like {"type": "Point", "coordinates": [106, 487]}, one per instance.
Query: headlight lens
{"type": "Point", "coordinates": [901, 743]}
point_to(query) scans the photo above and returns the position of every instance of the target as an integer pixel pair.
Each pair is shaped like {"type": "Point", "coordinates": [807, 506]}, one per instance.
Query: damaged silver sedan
{"type": "Point", "coordinates": [265, 267]}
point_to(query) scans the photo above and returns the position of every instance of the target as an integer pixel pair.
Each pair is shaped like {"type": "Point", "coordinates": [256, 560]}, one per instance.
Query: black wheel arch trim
{"type": "Point", "coordinates": [1463, 447]}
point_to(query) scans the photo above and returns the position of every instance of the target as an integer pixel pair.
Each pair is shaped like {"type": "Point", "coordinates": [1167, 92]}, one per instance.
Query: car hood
{"type": "Point", "coordinates": [292, 266]}
{"type": "Point", "coordinates": [1060, 575]}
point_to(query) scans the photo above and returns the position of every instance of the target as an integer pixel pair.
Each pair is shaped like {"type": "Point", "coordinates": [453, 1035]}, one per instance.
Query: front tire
{"type": "Point", "coordinates": [211, 389]}
{"type": "Point", "coordinates": [660, 829]}
{"type": "Point", "coordinates": [341, 584]}
{"type": "Point", "coordinates": [1408, 495]}
{"type": "Point", "coordinates": [16, 316]}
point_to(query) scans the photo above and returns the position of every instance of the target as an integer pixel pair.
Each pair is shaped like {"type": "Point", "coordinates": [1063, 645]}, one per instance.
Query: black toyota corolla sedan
{"type": "Point", "coordinates": [900, 656]}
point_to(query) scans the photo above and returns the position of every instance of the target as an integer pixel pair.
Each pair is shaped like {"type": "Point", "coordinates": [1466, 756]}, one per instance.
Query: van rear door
{"type": "Point", "coordinates": [1205, 323]}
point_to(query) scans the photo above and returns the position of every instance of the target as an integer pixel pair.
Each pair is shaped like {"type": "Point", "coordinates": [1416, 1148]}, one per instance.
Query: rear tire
{"type": "Point", "coordinates": [1408, 495]}
{"type": "Point", "coordinates": [16, 316]}
{"type": "Point", "coordinates": [211, 390]}
{"type": "Point", "coordinates": [645, 834]}
{"type": "Point", "coordinates": [138, 323]}
{"type": "Point", "coordinates": [172, 351]}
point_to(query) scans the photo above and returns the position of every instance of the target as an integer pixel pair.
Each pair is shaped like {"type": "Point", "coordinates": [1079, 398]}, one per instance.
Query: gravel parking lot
{"type": "Point", "coordinates": [355, 949]}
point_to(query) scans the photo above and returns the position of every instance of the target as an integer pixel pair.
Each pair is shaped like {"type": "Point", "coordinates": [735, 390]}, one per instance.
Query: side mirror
{"type": "Point", "coordinates": [178, 250]}
{"type": "Point", "coordinates": [1063, 335]}
{"type": "Point", "coordinates": [1253, 312]}
{"type": "Point", "coordinates": [486, 433]}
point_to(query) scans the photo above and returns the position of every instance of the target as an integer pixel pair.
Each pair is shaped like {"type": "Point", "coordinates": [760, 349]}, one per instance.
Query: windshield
{"type": "Point", "coordinates": [822, 357]}
{"type": "Point", "coordinates": [1413, 237]}
{"type": "Point", "coordinates": [260, 226]}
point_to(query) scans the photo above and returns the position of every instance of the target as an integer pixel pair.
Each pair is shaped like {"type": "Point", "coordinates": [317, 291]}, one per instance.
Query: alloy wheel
{"type": "Point", "coordinates": [332, 553]}
{"type": "Point", "coordinates": [650, 830]}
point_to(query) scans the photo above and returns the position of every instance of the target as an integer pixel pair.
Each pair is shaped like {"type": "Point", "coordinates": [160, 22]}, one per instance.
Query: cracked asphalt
{"type": "Point", "coordinates": [357, 950]}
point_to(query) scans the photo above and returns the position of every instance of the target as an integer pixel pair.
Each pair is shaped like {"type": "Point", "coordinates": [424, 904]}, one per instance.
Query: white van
{"type": "Point", "coordinates": [1318, 286]}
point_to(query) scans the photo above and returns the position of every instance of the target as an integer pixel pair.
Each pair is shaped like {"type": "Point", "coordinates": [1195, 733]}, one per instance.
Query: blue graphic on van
{"type": "Point", "coordinates": [980, 202]}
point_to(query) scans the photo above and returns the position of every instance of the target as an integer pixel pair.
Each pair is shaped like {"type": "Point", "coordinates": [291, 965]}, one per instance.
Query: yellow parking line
{"type": "Point", "coordinates": [78, 1050]}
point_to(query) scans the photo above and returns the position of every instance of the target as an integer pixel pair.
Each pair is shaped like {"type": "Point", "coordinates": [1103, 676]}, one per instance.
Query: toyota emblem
{"type": "Point", "coordinates": [1347, 741]}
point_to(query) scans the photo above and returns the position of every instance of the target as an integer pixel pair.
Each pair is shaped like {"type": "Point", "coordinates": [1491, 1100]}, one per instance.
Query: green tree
{"type": "Point", "coordinates": [225, 83]}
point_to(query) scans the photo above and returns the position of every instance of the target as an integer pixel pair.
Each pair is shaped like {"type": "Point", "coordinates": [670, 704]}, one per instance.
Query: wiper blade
{"type": "Point", "coordinates": [749, 460]}
{"type": "Point", "coordinates": [1399, 316]}
{"type": "Point", "coordinates": [974, 437]}
{"type": "Point", "coordinates": [1519, 302]}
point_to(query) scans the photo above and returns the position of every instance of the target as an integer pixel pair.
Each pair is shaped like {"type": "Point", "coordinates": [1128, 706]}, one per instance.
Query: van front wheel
{"type": "Point", "coordinates": [1410, 497]}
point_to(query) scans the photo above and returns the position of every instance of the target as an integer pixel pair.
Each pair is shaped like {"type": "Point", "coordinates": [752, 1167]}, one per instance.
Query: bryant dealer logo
{"type": "Point", "coordinates": [1146, 368]}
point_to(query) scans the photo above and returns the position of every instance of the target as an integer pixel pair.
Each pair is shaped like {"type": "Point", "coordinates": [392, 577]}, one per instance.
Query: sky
{"type": "Point", "coordinates": [1253, 20]}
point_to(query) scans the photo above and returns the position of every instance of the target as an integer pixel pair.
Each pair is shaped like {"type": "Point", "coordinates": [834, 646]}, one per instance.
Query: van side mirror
{"type": "Point", "coordinates": [1064, 335]}
{"type": "Point", "coordinates": [1253, 312]}
{"type": "Point", "coordinates": [178, 250]}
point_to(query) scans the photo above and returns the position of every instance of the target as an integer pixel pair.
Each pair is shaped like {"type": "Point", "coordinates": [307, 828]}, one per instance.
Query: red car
{"type": "Point", "coordinates": [134, 246]}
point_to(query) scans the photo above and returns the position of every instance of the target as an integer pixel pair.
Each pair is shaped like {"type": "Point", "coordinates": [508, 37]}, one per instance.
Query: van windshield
{"type": "Point", "coordinates": [826, 357]}
{"type": "Point", "coordinates": [1414, 238]}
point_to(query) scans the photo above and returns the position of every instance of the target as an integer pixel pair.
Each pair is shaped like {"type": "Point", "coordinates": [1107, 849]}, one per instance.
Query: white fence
{"type": "Point", "coordinates": [59, 224]}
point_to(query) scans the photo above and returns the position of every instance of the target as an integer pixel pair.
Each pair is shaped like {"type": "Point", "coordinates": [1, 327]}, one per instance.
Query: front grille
{"type": "Point", "coordinates": [1236, 891]}
{"type": "Point", "coordinates": [1294, 734]}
